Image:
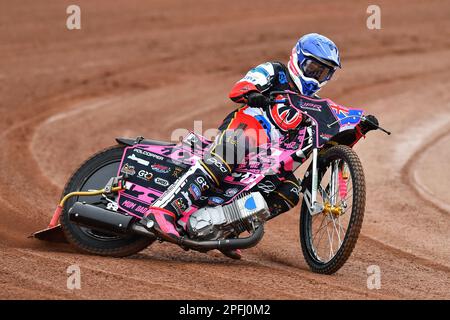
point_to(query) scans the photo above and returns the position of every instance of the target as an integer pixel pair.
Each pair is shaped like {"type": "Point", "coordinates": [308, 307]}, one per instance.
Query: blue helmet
{"type": "Point", "coordinates": [313, 61]}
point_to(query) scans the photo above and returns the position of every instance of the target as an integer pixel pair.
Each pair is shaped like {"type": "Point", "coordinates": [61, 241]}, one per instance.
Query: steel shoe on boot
{"type": "Point", "coordinates": [233, 254]}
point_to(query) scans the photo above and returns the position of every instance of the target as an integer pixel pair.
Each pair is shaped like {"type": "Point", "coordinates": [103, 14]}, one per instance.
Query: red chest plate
{"type": "Point", "coordinates": [285, 117]}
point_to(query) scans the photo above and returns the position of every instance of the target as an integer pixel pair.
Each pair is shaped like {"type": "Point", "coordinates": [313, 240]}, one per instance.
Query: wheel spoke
{"type": "Point", "coordinates": [340, 226]}
{"type": "Point", "coordinates": [337, 233]}
{"type": "Point", "coordinates": [328, 194]}
{"type": "Point", "coordinates": [320, 228]}
{"type": "Point", "coordinates": [330, 241]}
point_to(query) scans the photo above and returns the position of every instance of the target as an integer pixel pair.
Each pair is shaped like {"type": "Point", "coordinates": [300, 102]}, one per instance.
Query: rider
{"type": "Point", "coordinates": [313, 61]}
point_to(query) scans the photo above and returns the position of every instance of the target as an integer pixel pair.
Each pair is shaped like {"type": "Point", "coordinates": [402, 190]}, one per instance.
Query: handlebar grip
{"type": "Point", "coordinates": [377, 125]}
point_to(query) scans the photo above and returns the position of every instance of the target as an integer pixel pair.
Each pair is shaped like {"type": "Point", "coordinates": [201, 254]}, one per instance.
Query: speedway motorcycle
{"type": "Point", "coordinates": [107, 196]}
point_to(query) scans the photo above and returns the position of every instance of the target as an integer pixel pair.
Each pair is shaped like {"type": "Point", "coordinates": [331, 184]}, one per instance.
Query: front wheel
{"type": "Point", "coordinates": [94, 174]}
{"type": "Point", "coordinates": [328, 238]}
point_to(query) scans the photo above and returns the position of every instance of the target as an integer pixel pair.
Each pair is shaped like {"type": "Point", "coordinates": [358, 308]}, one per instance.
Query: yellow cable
{"type": "Point", "coordinates": [86, 193]}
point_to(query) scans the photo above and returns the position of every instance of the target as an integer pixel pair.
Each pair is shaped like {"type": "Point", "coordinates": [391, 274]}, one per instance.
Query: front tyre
{"type": "Point", "coordinates": [328, 238]}
{"type": "Point", "coordinates": [93, 174]}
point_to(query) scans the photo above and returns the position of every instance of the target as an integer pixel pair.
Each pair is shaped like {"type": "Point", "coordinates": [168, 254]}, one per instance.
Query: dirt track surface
{"type": "Point", "coordinates": [147, 68]}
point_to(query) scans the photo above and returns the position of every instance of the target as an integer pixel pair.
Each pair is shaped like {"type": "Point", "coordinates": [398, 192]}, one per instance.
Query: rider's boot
{"type": "Point", "coordinates": [164, 222]}
{"type": "Point", "coordinates": [187, 190]}
{"type": "Point", "coordinates": [235, 254]}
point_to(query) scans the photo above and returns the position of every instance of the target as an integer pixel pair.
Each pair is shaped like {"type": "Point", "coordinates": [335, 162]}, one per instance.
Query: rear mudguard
{"type": "Point", "coordinates": [141, 140]}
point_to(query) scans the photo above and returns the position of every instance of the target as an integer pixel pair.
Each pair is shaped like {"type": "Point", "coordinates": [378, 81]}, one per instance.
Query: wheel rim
{"type": "Point", "coordinates": [328, 229]}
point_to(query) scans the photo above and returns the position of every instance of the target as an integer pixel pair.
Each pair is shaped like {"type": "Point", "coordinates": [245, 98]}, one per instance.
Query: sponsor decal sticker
{"type": "Point", "coordinates": [176, 172]}
{"type": "Point", "coordinates": [215, 200]}
{"type": "Point", "coordinates": [218, 164]}
{"type": "Point", "coordinates": [282, 77]}
{"type": "Point", "coordinates": [231, 192]}
{"type": "Point", "coordinates": [161, 182]}
{"type": "Point", "coordinates": [186, 196]}
{"type": "Point", "coordinates": [325, 136]}
{"type": "Point", "coordinates": [195, 191]}
{"type": "Point", "coordinates": [266, 187]}
{"type": "Point", "coordinates": [311, 106]}
{"type": "Point", "coordinates": [149, 154]}
{"type": "Point", "coordinates": [145, 175]}
{"type": "Point", "coordinates": [127, 169]}
{"type": "Point", "coordinates": [138, 160]}
{"type": "Point", "coordinates": [202, 183]}
{"type": "Point", "coordinates": [179, 205]}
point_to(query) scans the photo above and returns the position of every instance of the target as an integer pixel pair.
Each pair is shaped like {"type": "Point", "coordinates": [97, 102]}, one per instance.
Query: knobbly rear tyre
{"type": "Point", "coordinates": [94, 173]}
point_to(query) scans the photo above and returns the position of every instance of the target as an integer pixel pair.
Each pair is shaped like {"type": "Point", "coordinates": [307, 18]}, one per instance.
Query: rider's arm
{"type": "Point", "coordinates": [258, 79]}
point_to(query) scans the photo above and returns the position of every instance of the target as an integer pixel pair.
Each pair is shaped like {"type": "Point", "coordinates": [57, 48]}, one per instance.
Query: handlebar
{"type": "Point", "coordinates": [376, 125]}
{"type": "Point", "coordinates": [276, 101]}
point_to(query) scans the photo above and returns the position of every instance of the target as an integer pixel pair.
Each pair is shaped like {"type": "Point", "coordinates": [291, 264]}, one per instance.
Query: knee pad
{"type": "Point", "coordinates": [232, 146]}
{"type": "Point", "coordinates": [215, 167]}
{"type": "Point", "coordinates": [284, 197]}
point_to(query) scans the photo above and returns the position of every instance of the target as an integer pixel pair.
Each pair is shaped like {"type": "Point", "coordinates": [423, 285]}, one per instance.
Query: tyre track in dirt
{"type": "Point", "coordinates": [411, 168]}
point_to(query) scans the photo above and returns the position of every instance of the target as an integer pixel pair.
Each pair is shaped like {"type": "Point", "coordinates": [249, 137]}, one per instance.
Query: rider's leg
{"type": "Point", "coordinates": [284, 197]}
{"type": "Point", "coordinates": [180, 196]}
{"type": "Point", "coordinates": [228, 150]}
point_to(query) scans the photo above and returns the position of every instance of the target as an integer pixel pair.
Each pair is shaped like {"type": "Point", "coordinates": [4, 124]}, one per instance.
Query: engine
{"type": "Point", "coordinates": [244, 214]}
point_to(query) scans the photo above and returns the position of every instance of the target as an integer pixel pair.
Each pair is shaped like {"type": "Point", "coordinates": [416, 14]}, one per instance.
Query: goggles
{"type": "Point", "coordinates": [317, 70]}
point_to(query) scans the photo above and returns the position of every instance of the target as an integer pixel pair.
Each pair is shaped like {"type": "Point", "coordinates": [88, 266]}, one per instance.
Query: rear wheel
{"type": "Point", "coordinates": [93, 174]}
{"type": "Point", "coordinates": [328, 238]}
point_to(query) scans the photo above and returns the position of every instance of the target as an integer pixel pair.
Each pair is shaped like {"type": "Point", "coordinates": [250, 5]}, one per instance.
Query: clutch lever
{"type": "Point", "coordinates": [376, 125]}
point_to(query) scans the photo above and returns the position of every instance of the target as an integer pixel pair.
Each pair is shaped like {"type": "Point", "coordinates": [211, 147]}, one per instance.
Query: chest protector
{"type": "Point", "coordinates": [283, 117]}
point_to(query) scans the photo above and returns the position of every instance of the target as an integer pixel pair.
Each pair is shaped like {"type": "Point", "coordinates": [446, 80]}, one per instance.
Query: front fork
{"type": "Point", "coordinates": [315, 207]}
{"type": "Point", "coordinates": [331, 199]}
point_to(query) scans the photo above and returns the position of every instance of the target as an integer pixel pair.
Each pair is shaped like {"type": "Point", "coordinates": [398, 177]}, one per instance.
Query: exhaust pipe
{"type": "Point", "coordinates": [225, 244]}
{"type": "Point", "coordinates": [101, 219]}
{"type": "Point", "coordinates": [108, 221]}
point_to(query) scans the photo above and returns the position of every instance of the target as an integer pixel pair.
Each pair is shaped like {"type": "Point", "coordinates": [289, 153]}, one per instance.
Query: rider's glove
{"type": "Point", "coordinates": [370, 123]}
{"type": "Point", "coordinates": [257, 100]}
